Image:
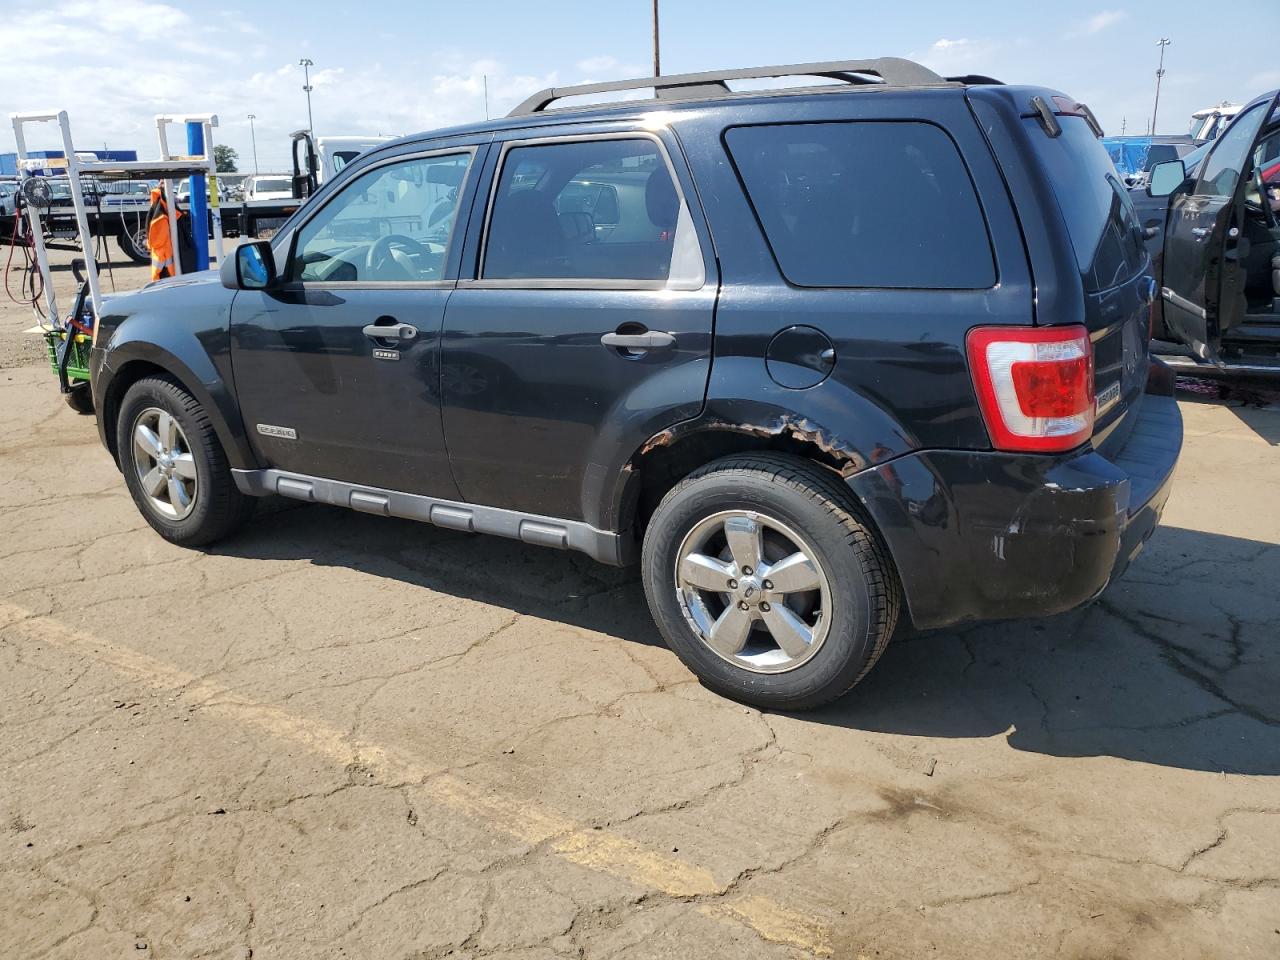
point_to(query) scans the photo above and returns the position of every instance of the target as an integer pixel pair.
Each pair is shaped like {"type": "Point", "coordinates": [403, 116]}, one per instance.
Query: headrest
{"type": "Point", "coordinates": [661, 200]}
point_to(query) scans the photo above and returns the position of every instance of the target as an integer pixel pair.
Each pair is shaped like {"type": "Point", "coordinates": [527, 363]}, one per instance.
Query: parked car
{"type": "Point", "coordinates": [854, 360]}
{"type": "Point", "coordinates": [1135, 156]}
{"type": "Point", "coordinates": [1220, 263]}
{"type": "Point", "coordinates": [268, 187]}
{"type": "Point", "coordinates": [1152, 211]}
{"type": "Point", "coordinates": [8, 208]}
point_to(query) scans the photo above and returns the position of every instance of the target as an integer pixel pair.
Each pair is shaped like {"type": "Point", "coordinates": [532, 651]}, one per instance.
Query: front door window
{"type": "Point", "coordinates": [392, 224]}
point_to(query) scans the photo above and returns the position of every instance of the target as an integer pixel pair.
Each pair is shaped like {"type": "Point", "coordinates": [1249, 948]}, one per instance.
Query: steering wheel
{"type": "Point", "coordinates": [381, 258]}
{"type": "Point", "coordinates": [1268, 215]}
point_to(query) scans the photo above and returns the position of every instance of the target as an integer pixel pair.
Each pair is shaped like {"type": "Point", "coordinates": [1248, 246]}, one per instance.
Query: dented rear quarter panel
{"type": "Point", "coordinates": [900, 381]}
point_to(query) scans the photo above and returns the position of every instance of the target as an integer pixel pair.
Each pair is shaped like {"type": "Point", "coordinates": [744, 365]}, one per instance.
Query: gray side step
{"type": "Point", "coordinates": [543, 531]}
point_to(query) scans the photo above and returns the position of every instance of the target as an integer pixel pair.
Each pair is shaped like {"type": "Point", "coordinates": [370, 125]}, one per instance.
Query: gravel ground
{"type": "Point", "coordinates": [17, 347]}
{"type": "Point", "coordinates": [345, 736]}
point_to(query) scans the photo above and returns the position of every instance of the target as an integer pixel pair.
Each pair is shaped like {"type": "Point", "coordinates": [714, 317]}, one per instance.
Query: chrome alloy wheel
{"type": "Point", "coordinates": [163, 461]}
{"type": "Point", "coordinates": [753, 590]}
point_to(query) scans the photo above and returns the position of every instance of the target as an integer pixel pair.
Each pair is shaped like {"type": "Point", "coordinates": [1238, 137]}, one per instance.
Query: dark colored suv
{"type": "Point", "coordinates": [826, 360]}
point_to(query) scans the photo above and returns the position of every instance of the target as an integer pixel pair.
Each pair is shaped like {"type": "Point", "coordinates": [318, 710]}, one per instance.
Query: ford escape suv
{"type": "Point", "coordinates": [824, 360]}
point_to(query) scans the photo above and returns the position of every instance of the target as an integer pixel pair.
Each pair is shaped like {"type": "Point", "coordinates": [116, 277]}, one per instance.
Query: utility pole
{"type": "Point", "coordinates": [1124, 125]}
{"type": "Point", "coordinates": [254, 137]}
{"type": "Point", "coordinates": [1161, 43]}
{"type": "Point", "coordinates": [657, 59]}
{"type": "Point", "coordinates": [306, 63]}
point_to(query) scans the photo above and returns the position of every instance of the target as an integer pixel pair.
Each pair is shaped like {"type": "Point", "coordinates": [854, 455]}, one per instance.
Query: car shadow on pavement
{"type": "Point", "coordinates": [1175, 665]}
{"type": "Point", "coordinates": [1254, 403]}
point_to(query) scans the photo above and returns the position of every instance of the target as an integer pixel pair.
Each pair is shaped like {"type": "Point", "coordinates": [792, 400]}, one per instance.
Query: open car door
{"type": "Point", "coordinates": [1203, 236]}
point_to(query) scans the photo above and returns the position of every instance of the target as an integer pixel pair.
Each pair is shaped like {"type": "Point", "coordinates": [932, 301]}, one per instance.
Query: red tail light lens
{"type": "Point", "coordinates": [1034, 385]}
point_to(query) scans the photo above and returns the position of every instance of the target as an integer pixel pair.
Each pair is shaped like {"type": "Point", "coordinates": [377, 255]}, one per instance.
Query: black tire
{"type": "Point", "coordinates": [80, 399]}
{"type": "Point", "coordinates": [133, 243]}
{"type": "Point", "coordinates": [219, 508]}
{"type": "Point", "coordinates": [864, 588]}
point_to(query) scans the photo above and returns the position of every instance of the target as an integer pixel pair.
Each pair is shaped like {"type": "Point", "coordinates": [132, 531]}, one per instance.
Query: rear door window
{"type": "Point", "coordinates": [1109, 244]}
{"type": "Point", "coordinates": [865, 204]}
{"type": "Point", "coordinates": [590, 210]}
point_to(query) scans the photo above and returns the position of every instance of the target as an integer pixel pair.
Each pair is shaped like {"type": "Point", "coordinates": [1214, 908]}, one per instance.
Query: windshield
{"type": "Point", "coordinates": [274, 185]}
{"type": "Point", "coordinates": [342, 157]}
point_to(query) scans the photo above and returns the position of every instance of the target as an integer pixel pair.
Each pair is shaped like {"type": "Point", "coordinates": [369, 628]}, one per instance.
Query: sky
{"type": "Point", "coordinates": [395, 67]}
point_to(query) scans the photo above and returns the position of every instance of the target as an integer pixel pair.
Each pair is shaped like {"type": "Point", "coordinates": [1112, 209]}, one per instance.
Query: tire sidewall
{"type": "Point", "coordinates": [166, 396]}
{"type": "Point", "coordinates": [850, 640]}
{"type": "Point", "coordinates": [126, 240]}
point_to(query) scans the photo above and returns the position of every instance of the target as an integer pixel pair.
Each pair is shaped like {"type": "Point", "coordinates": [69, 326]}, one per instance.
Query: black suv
{"type": "Point", "coordinates": [826, 360]}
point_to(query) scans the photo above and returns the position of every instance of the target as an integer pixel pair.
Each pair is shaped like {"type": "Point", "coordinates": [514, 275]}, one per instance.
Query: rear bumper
{"type": "Point", "coordinates": [987, 536]}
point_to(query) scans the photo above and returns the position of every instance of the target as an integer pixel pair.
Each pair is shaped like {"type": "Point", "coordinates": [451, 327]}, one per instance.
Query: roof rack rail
{"type": "Point", "coordinates": [977, 80]}
{"type": "Point", "coordinates": [891, 71]}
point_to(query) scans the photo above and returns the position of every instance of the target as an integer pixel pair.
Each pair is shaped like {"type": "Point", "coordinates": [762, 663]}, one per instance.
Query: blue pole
{"type": "Point", "coordinates": [199, 201]}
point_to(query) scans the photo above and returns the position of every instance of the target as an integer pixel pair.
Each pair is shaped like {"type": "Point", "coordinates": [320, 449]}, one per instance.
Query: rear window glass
{"type": "Point", "coordinates": [865, 204]}
{"type": "Point", "coordinates": [1100, 217]}
{"type": "Point", "coordinates": [583, 210]}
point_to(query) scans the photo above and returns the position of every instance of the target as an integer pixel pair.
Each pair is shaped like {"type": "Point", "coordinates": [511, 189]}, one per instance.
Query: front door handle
{"type": "Point", "coordinates": [391, 331]}
{"type": "Point", "coordinates": [649, 340]}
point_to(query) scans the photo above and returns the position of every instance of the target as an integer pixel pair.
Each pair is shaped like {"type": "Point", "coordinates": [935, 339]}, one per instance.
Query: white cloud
{"type": "Point", "coordinates": [113, 92]}
{"type": "Point", "coordinates": [1098, 22]}
{"type": "Point", "coordinates": [952, 56]}
{"type": "Point", "coordinates": [605, 67]}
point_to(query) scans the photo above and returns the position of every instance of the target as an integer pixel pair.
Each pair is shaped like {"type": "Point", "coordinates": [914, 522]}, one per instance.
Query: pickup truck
{"type": "Point", "coordinates": [121, 209]}
{"type": "Point", "coordinates": [1217, 220]}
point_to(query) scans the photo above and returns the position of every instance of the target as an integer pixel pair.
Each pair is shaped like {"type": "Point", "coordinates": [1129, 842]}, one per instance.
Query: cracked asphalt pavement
{"type": "Point", "coordinates": [345, 736]}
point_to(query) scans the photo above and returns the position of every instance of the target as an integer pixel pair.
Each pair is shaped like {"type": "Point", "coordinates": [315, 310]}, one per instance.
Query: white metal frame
{"type": "Point", "coordinates": [208, 121]}
{"type": "Point", "coordinates": [166, 168]}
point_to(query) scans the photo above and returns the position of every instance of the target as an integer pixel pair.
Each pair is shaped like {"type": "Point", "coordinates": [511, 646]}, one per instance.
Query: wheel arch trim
{"type": "Point", "coordinates": [126, 361]}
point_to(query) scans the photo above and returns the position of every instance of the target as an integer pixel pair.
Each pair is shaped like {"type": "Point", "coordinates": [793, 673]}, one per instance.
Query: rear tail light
{"type": "Point", "coordinates": [1035, 385]}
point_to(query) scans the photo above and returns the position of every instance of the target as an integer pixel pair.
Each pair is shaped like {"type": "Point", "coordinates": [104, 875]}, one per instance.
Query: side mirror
{"type": "Point", "coordinates": [251, 267]}
{"type": "Point", "coordinates": [1166, 177]}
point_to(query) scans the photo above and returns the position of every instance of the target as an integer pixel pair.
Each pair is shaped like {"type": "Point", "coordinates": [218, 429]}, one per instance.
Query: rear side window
{"type": "Point", "coordinates": [590, 210]}
{"type": "Point", "coordinates": [865, 204]}
{"type": "Point", "coordinates": [1100, 218]}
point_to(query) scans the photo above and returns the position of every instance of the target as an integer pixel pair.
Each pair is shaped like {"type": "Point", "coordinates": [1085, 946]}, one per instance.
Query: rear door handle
{"type": "Point", "coordinates": [391, 331]}
{"type": "Point", "coordinates": [1199, 232]}
{"type": "Point", "coordinates": [649, 340]}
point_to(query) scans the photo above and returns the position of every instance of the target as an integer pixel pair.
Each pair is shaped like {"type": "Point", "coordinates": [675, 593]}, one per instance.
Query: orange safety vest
{"type": "Point", "coordinates": [158, 237]}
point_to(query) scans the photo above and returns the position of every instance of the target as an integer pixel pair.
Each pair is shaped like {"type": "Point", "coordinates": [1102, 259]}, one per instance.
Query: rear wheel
{"type": "Point", "coordinates": [133, 242]}
{"type": "Point", "coordinates": [174, 465]}
{"type": "Point", "coordinates": [765, 582]}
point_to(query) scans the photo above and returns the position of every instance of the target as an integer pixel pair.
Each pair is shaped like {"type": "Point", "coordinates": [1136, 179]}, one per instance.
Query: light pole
{"type": "Point", "coordinates": [254, 137]}
{"type": "Point", "coordinates": [306, 63]}
{"type": "Point", "coordinates": [1161, 43]}
{"type": "Point", "coordinates": [657, 60]}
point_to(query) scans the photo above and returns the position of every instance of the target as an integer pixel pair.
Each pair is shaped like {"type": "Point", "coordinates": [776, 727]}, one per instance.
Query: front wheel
{"type": "Point", "coordinates": [766, 583]}
{"type": "Point", "coordinates": [80, 397]}
{"type": "Point", "coordinates": [174, 465]}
